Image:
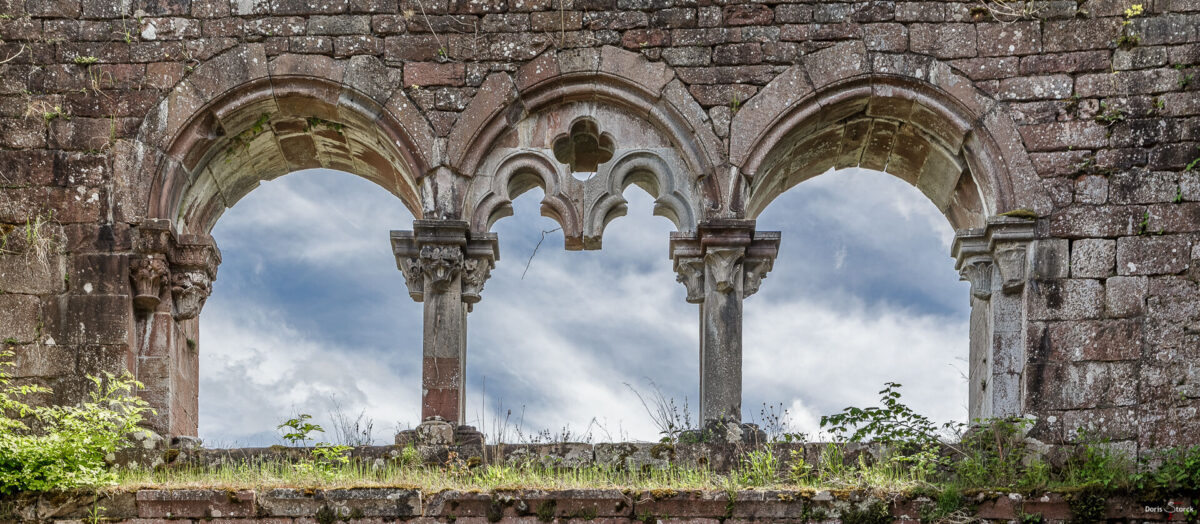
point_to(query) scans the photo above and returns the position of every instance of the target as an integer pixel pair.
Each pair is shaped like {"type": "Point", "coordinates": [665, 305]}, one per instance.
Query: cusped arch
{"type": "Point", "coordinates": [908, 115]}
{"type": "Point", "coordinates": [517, 173]}
{"type": "Point", "coordinates": [240, 118]}
{"type": "Point", "coordinates": [664, 141]}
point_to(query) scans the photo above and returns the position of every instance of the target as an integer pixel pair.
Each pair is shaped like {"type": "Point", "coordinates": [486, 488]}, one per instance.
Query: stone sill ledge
{"type": "Point", "coordinates": [373, 505]}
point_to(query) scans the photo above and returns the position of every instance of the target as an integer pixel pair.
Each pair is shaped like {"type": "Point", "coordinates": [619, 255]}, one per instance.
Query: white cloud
{"type": "Point", "coordinates": [310, 303]}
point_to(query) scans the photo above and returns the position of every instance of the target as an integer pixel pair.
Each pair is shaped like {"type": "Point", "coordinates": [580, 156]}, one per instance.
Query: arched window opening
{"type": "Point", "coordinates": [863, 292]}
{"type": "Point", "coordinates": [309, 314]}
{"type": "Point", "coordinates": [557, 346]}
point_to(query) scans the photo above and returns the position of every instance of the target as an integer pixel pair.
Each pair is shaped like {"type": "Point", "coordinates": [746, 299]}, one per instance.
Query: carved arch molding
{"type": "Point", "coordinates": [583, 125]}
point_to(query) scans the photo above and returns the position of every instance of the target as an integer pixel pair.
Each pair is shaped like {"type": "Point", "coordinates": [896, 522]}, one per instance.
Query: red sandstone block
{"type": "Point", "coordinates": [1153, 255]}
{"type": "Point", "coordinates": [195, 503]}
{"type": "Point", "coordinates": [425, 74]}
{"type": "Point", "coordinates": [643, 38]}
{"type": "Point", "coordinates": [1057, 136]}
{"type": "Point", "coordinates": [683, 504]}
{"type": "Point", "coordinates": [747, 14]}
{"type": "Point", "coordinates": [943, 40]}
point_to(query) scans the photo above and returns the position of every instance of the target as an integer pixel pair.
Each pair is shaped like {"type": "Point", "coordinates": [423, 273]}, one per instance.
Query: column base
{"type": "Point", "coordinates": [725, 432]}
{"type": "Point", "coordinates": [435, 439]}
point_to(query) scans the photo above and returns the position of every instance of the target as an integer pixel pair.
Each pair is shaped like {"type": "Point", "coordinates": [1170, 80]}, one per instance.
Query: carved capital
{"type": "Point", "coordinates": [414, 277]}
{"type": "Point", "coordinates": [147, 274]}
{"type": "Point", "coordinates": [979, 273]}
{"type": "Point", "coordinates": [190, 289]}
{"type": "Point", "coordinates": [690, 273]}
{"type": "Point", "coordinates": [755, 271]}
{"type": "Point", "coordinates": [1011, 262]}
{"type": "Point", "coordinates": [440, 264]}
{"type": "Point", "coordinates": [723, 267]}
{"type": "Point", "coordinates": [476, 271]}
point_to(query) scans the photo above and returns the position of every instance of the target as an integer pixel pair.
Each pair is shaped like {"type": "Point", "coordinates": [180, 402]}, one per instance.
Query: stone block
{"type": "Point", "coordinates": [1018, 38]}
{"type": "Point", "coordinates": [1067, 299]}
{"type": "Point", "coordinates": [1153, 255]}
{"type": "Point", "coordinates": [18, 318]}
{"type": "Point", "coordinates": [195, 503]}
{"type": "Point", "coordinates": [943, 40]}
{"type": "Point", "coordinates": [1125, 296]}
{"type": "Point", "coordinates": [427, 74]}
{"type": "Point", "coordinates": [1095, 341]}
{"type": "Point", "coordinates": [1068, 385]}
{"type": "Point", "coordinates": [1093, 258]}
{"type": "Point", "coordinates": [1053, 87]}
{"type": "Point", "coordinates": [1091, 189]}
{"type": "Point", "coordinates": [28, 274]}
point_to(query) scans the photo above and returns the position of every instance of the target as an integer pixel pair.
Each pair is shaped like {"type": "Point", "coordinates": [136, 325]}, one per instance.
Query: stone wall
{"type": "Point", "coordinates": [127, 127]}
{"type": "Point", "coordinates": [376, 505]}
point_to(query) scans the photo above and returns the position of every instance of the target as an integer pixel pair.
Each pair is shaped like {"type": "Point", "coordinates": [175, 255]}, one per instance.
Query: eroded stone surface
{"type": "Point", "coordinates": [133, 144]}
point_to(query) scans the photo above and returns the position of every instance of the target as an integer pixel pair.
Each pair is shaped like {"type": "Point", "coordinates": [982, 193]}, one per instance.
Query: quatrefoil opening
{"type": "Point", "coordinates": [585, 147]}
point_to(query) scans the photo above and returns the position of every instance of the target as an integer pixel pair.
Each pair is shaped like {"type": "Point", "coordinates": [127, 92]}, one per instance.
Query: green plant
{"type": "Point", "coordinates": [1097, 465]}
{"type": "Point", "coordinates": [1192, 165]}
{"type": "Point", "coordinates": [86, 60]}
{"type": "Point", "coordinates": [64, 447]}
{"type": "Point", "coordinates": [945, 503]}
{"type": "Point", "coordinates": [994, 454]}
{"type": "Point", "coordinates": [1087, 506]}
{"type": "Point", "coordinates": [52, 113]}
{"type": "Point", "coordinates": [758, 468]}
{"type": "Point", "coordinates": [241, 141]}
{"type": "Point", "coordinates": [1144, 225]}
{"type": "Point", "coordinates": [892, 423]}
{"type": "Point", "coordinates": [1178, 196]}
{"type": "Point", "coordinates": [1109, 115]}
{"type": "Point", "coordinates": [1178, 471]}
{"type": "Point", "coordinates": [875, 512]}
{"type": "Point", "coordinates": [799, 470]}
{"type": "Point", "coordinates": [298, 429]}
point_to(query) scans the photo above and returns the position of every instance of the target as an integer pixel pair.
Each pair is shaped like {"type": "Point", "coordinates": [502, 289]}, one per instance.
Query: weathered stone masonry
{"type": "Point", "coordinates": [129, 126]}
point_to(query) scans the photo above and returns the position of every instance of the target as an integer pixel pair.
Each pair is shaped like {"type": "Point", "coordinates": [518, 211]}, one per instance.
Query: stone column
{"type": "Point", "coordinates": [994, 259]}
{"type": "Point", "coordinates": [171, 276]}
{"type": "Point", "coordinates": [720, 265]}
{"type": "Point", "coordinates": [445, 267]}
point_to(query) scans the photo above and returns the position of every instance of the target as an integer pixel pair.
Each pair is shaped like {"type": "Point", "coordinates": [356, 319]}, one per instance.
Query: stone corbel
{"type": "Point", "coordinates": [723, 251]}
{"type": "Point", "coordinates": [438, 251]}
{"type": "Point", "coordinates": [1011, 263]}
{"type": "Point", "coordinates": [755, 271]}
{"type": "Point", "coordinates": [440, 264]}
{"type": "Point", "coordinates": [979, 273]}
{"type": "Point", "coordinates": [194, 264]}
{"type": "Point", "coordinates": [482, 252]}
{"type": "Point", "coordinates": [188, 262]}
{"type": "Point", "coordinates": [1002, 243]}
{"type": "Point", "coordinates": [723, 267]}
{"type": "Point", "coordinates": [690, 272]}
{"type": "Point", "coordinates": [147, 273]}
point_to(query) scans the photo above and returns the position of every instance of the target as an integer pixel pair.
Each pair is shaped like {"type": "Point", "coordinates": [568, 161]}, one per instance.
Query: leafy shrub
{"type": "Point", "coordinates": [1097, 465]}
{"type": "Point", "coordinates": [994, 455]}
{"type": "Point", "coordinates": [46, 448]}
{"type": "Point", "coordinates": [1178, 471]}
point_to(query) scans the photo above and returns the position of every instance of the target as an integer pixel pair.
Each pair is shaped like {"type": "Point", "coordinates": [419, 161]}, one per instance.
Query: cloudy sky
{"type": "Point", "coordinates": [309, 312]}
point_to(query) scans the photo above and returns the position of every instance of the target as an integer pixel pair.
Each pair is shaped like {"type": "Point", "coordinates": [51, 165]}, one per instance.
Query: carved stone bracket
{"type": "Point", "coordinates": [723, 251]}
{"type": "Point", "coordinates": [188, 261]}
{"type": "Point", "coordinates": [1000, 244]}
{"type": "Point", "coordinates": [147, 273]}
{"type": "Point", "coordinates": [437, 251]}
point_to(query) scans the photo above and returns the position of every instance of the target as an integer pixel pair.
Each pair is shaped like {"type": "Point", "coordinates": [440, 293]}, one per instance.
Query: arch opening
{"type": "Point", "coordinates": [306, 316]}
{"type": "Point", "coordinates": [556, 343]}
{"type": "Point", "coordinates": [893, 129]}
{"type": "Point", "coordinates": [861, 291]}
{"type": "Point", "coordinates": [264, 129]}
